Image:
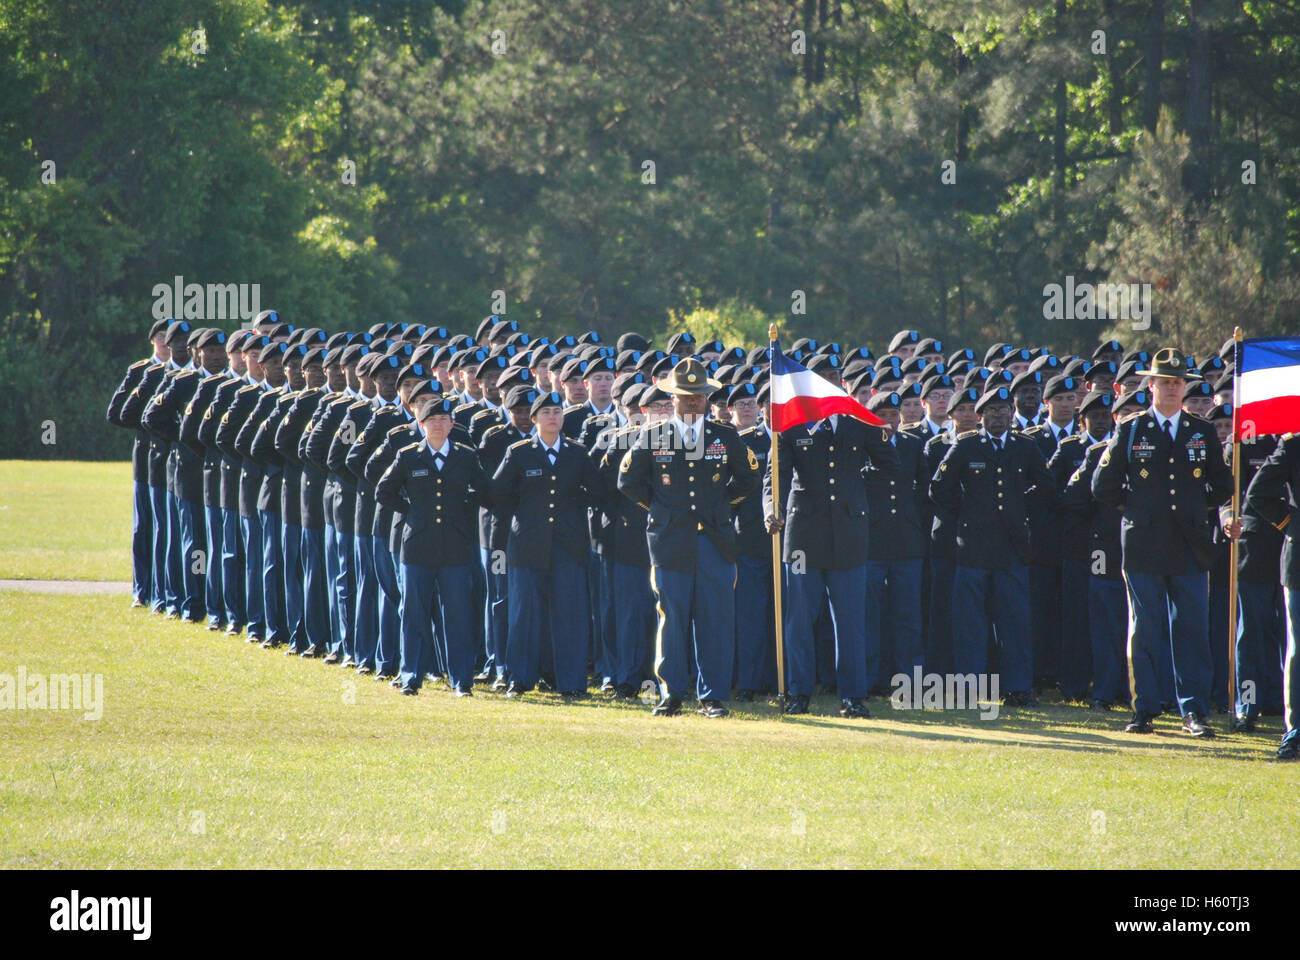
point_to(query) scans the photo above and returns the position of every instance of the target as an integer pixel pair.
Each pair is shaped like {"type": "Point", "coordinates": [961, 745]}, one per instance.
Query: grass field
{"type": "Point", "coordinates": [212, 752]}
{"type": "Point", "coordinates": [65, 521]}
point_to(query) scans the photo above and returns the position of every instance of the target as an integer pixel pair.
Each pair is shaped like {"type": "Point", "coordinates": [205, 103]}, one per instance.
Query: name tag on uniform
{"type": "Point", "coordinates": [1143, 450]}
{"type": "Point", "coordinates": [422, 472]}
{"type": "Point", "coordinates": [804, 442]}
{"type": "Point", "coordinates": [533, 473]}
{"type": "Point", "coordinates": [977, 464]}
{"type": "Point", "coordinates": [664, 457]}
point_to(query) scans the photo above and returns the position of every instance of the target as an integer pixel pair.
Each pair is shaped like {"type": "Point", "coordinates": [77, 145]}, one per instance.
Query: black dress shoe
{"type": "Point", "coordinates": [484, 676]}
{"type": "Point", "coordinates": [348, 662]}
{"type": "Point", "coordinates": [464, 692]}
{"type": "Point", "coordinates": [234, 631]}
{"type": "Point", "coordinates": [1195, 725]}
{"type": "Point", "coordinates": [1101, 704]}
{"type": "Point", "coordinates": [744, 696]}
{"type": "Point", "coordinates": [395, 682]}
{"type": "Point", "coordinates": [1289, 750]}
{"type": "Point", "coordinates": [667, 707]}
{"type": "Point", "coordinates": [1243, 724]}
{"type": "Point", "coordinates": [409, 691]}
{"type": "Point", "coordinates": [331, 658]}
{"type": "Point", "coordinates": [311, 651]}
{"type": "Point", "coordinates": [545, 683]}
{"type": "Point", "coordinates": [289, 651]}
{"type": "Point", "coordinates": [854, 707]}
{"type": "Point", "coordinates": [385, 676]}
{"type": "Point", "coordinates": [1141, 723]}
{"type": "Point", "coordinates": [625, 691]}
{"type": "Point", "coordinates": [797, 704]}
{"type": "Point", "coordinates": [137, 602]}
{"type": "Point", "coordinates": [713, 709]}
{"type": "Point", "coordinates": [269, 644]}
{"type": "Point", "coordinates": [513, 692]}
{"type": "Point", "coordinates": [1169, 706]}
{"type": "Point", "coordinates": [364, 669]}
{"type": "Point", "coordinates": [253, 638]}
{"type": "Point", "coordinates": [499, 684]}
{"type": "Point", "coordinates": [574, 694]}
{"type": "Point", "coordinates": [608, 688]}
{"type": "Point", "coordinates": [214, 627]}
{"type": "Point", "coordinates": [1021, 698]}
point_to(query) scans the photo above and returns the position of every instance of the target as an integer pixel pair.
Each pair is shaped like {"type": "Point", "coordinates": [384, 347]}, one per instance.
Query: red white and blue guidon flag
{"type": "Point", "coordinates": [798, 396]}
{"type": "Point", "coordinates": [1268, 386]}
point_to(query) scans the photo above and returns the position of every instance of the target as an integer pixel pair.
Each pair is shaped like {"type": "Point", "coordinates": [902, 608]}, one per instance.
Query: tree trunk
{"type": "Point", "coordinates": [1155, 52]}
{"type": "Point", "coordinates": [1200, 49]}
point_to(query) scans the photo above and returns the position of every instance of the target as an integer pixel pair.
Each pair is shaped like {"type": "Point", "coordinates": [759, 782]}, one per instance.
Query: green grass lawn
{"type": "Point", "coordinates": [214, 753]}
{"type": "Point", "coordinates": [65, 520]}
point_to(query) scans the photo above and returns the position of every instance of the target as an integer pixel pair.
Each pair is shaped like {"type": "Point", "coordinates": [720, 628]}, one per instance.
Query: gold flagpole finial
{"type": "Point", "coordinates": [771, 332]}
{"type": "Point", "coordinates": [1236, 334]}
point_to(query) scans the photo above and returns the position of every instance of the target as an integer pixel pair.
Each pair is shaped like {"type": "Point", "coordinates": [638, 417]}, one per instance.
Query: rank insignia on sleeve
{"type": "Point", "coordinates": [753, 460]}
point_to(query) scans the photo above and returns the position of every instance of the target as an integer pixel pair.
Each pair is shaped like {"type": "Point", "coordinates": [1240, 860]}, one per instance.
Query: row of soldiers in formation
{"type": "Point", "coordinates": [524, 512]}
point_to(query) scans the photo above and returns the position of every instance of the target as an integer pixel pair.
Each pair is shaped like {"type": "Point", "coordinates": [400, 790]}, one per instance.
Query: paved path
{"type": "Point", "coordinates": [67, 586]}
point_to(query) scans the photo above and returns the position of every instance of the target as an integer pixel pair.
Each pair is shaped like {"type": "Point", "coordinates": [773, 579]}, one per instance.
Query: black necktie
{"type": "Point", "coordinates": [439, 460]}
{"type": "Point", "coordinates": [997, 445]}
{"type": "Point", "coordinates": [1169, 430]}
{"type": "Point", "coordinates": [551, 454]}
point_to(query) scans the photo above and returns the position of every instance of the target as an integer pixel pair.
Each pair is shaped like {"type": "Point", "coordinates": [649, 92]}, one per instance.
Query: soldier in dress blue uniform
{"type": "Point", "coordinates": [186, 542]}
{"type": "Point", "coordinates": [340, 504]}
{"type": "Point", "coordinates": [1274, 496]}
{"type": "Point", "coordinates": [437, 486]}
{"type": "Point", "coordinates": [823, 465]}
{"type": "Point", "coordinates": [163, 598]}
{"type": "Point", "coordinates": [1261, 601]}
{"type": "Point", "coordinates": [987, 481]}
{"type": "Point", "coordinates": [264, 475]}
{"type": "Point", "coordinates": [688, 474]}
{"type": "Point", "coordinates": [212, 348]}
{"type": "Point", "coordinates": [1077, 652]}
{"type": "Point", "coordinates": [320, 367]}
{"type": "Point", "coordinates": [756, 645]}
{"type": "Point", "coordinates": [1099, 535]}
{"type": "Point", "coordinates": [1163, 468]}
{"type": "Point", "coordinates": [545, 484]}
{"type": "Point", "coordinates": [898, 508]}
{"type": "Point", "coordinates": [141, 525]}
{"type": "Point", "coordinates": [942, 533]}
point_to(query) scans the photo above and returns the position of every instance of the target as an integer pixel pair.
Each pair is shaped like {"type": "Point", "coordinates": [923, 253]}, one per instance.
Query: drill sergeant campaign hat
{"type": "Point", "coordinates": [1169, 363]}
{"type": "Point", "coordinates": [688, 378]}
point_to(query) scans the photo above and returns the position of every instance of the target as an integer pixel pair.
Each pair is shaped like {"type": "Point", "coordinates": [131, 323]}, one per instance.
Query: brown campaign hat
{"type": "Point", "coordinates": [689, 378]}
{"type": "Point", "coordinates": [1168, 362]}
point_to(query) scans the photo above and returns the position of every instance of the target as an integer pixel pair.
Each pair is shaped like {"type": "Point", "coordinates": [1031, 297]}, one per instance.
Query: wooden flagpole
{"type": "Point", "coordinates": [1233, 544]}
{"type": "Point", "coordinates": [775, 466]}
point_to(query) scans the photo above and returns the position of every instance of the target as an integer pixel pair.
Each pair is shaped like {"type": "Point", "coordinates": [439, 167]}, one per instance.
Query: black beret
{"type": "Point", "coordinates": [367, 363]}
{"type": "Point", "coordinates": [683, 339]}
{"type": "Point", "coordinates": [485, 327]}
{"type": "Point", "coordinates": [830, 347]}
{"type": "Point", "coordinates": [1097, 399]}
{"type": "Point", "coordinates": [739, 392]}
{"type": "Point", "coordinates": [1142, 355]}
{"type": "Point", "coordinates": [422, 389]}
{"type": "Point", "coordinates": [825, 363]}
{"type": "Point", "coordinates": [1048, 363]}
{"type": "Point", "coordinates": [1030, 378]}
{"type": "Point", "coordinates": [178, 330]}
{"type": "Point", "coordinates": [1212, 366]}
{"type": "Point", "coordinates": [1077, 367]}
{"type": "Point", "coordinates": [438, 335]}
{"type": "Point", "coordinates": [626, 380]}
{"type": "Point", "coordinates": [296, 354]}
{"type": "Point", "coordinates": [193, 339]}
{"type": "Point", "coordinates": [353, 353]}
{"type": "Point", "coordinates": [573, 369]}
{"type": "Point", "coordinates": [908, 391]}
{"type": "Point", "coordinates": [491, 365]}
{"type": "Point", "coordinates": [522, 395]}
{"type": "Point", "coordinates": [999, 378]}
{"type": "Point", "coordinates": [413, 371]}
{"type": "Point", "coordinates": [1061, 384]}
{"type": "Point", "coordinates": [759, 356]}
{"type": "Point", "coordinates": [941, 382]}
{"type": "Point", "coordinates": [903, 337]}
{"type": "Point", "coordinates": [966, 353]}
{"type": "Point", "coordinates": [279, 330]}
{"type": "Point", "coordinates": [266, 316]}
{"type": "Point", "coordinates": [462, 341]}
{"type": "Point", "coordinates": [886, 398]}
{"type": "Point", "coordinates": [337, 340]}
{"type": "Point", "coordinates": [1101, 368]}
{"type": "Point", "coordinates": [1141, 399]}
{"type": "Point", "coordinates": [1130, 367]}
{"type": "Point", "coordinates": [627, 359]}
{"type": "Point", "coordinates": [915, 364]}
{"type": "Point", "coordinates": [968, 395]}
{"type": "Point", "coordinates": [211, 336]}
{"type": "Point", "coordinates": [1110, 346]}
{"type": "Point", "coordinates": [544, 400]}
{"type": "Point", "coordinates": [275, 349]}
{"type": "Point", "coordinates": [631, 397]}
{"type": "Point", "coordinates": [652, 394]}
{"type": "Point", "coordinates": [885, 375]}
{"type": "Point", "coordinates": [364, 339]}
{"type": "Point", "coordinates": [804, 345]}
{"type": "Point", "coordinates": [996, 352]}
{"type": "Point", "coordinates": [591, 336]}
{"type": "Point", "coordinates": [313, 355]}
{"type": "Point", "coordinates": [929, 345]}
{"type": "Point", "coordinates": [1197, 388]}
{"type": "Point", "coordinates": [469, 359]}
{"type": "Point", "coordinates": [159, 326]}
{"type": "Point", "coordinates": [996, 395]}
{"type": "Point", "coordinates": [1222, 411]}
{"type": "Point", "coordinates": [601, 365]}
{"type": "Point", "coordinates": [435, 406]}
{"type": "Point", "coordinates": [733, 355]}
{"type": "Point", "coordinates": [633, 341]}
{"type": "Point", "coordinates": [516, 376]}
